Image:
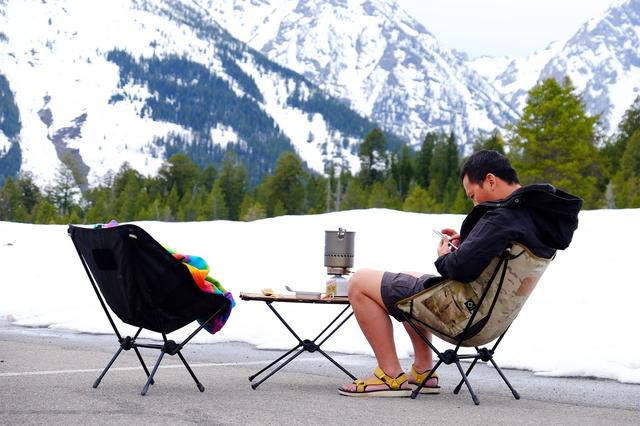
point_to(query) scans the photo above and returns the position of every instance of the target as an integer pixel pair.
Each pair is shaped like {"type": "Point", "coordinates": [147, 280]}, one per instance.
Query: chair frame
{"type": "Point", "coordinates": [451, 356]}
{"type": "Point", "coordinates": [126, 343]}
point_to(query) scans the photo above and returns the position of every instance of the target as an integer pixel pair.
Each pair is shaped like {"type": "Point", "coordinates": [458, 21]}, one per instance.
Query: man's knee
{"type": "Point", "coordinates": [363, 281]}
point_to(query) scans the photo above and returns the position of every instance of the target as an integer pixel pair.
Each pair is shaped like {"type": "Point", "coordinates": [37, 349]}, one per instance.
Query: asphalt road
{"type": "Point", "coordinates": [46, 378]}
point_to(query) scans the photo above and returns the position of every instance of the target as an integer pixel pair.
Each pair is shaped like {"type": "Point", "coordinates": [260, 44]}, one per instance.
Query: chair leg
{"type": "Point", "coordinates": [144, 366]}
{"type": "Point", "coordinates": [99, 379]}
{"type": "Point", "coordinates": [515, 393]}
{"type": "Point", "coordinates": [195, 379]}
{"type": "Point", "coordinates": [416, 391]}
{"type": "Point", "coordinates": [153, 372]}
{"type": "Point", "coordinates": [473, 364]}
{"type": "Point", "coordinates": [466, 381]}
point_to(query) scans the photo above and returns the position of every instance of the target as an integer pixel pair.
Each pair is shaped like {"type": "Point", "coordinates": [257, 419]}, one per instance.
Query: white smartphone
{"type": "Point", "coordinates": [441, 235]}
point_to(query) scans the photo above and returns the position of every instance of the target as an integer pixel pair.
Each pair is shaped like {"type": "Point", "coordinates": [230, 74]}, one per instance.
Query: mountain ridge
{"type": "Point", "coordinates": [601, 58]}
{"type": "Point", "coordinates": [377, 56]}
{"type": "Point", "coordinates": [78, 107]}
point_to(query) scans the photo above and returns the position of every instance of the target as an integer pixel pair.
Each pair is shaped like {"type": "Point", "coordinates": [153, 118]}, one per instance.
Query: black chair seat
{"type": "Point", "coordinates": [144, 286]}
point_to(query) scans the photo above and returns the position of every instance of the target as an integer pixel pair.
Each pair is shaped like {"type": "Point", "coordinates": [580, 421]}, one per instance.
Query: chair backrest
{"type": "Point", "coordinates": [447, 307]}
{"type": "Point", "coordinates": [143, 284]}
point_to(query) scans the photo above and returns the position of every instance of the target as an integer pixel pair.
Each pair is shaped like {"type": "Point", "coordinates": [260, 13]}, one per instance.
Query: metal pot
{"type": "Point", "coordinates": [339, 248]}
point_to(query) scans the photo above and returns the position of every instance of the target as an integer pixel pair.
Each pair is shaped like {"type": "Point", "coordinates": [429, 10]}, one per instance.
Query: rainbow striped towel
{"type": "Point", "coordinates": [200, 272]}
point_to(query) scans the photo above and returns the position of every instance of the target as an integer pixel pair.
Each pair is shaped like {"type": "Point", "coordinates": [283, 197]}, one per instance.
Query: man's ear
{"type": "Point", "coordinates": [490, 178]}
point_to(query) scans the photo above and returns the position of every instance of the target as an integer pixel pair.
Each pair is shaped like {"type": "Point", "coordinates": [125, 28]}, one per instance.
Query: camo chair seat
{"type": "Point", "coordinates": [475, 313]}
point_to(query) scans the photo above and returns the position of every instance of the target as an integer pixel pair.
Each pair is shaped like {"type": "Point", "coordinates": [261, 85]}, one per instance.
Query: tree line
{"type": "Point", "coordinates": [554, 141]}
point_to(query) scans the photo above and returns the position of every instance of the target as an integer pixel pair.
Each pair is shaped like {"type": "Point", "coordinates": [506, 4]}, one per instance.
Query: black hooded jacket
{"type": "Point", "coordinates": [541, 217]}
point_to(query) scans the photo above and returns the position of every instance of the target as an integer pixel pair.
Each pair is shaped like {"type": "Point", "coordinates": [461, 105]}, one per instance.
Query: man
{"type": "Point", "coordinates": [541, 217]}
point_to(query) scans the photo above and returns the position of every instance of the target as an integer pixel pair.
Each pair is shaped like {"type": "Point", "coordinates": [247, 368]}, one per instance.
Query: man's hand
{"type": "Point", "coordinates": [444, 247]}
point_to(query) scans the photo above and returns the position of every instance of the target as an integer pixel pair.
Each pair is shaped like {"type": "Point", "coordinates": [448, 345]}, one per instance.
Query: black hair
{"type": "Point", "coordinates": [487, 161]}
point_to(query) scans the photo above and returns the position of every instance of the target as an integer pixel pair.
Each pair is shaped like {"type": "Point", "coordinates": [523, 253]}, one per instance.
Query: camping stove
{"type": "Point", "coordinates": [338, 258]}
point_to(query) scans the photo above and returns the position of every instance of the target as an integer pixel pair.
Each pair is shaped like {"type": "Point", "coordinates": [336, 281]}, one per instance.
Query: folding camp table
{"type": "Point", "coordinates": [303, 344]}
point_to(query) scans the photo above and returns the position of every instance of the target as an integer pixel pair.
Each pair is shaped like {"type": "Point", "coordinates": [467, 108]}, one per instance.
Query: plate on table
{"type": "Point", "coordinates": [315, 294]}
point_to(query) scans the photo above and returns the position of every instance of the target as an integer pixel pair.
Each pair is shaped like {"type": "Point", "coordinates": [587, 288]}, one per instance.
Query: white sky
{"type": "Point", "coordinates": [502, 27]}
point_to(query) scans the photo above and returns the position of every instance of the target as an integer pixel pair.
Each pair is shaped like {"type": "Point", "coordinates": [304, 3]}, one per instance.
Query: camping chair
{"type": "Point", "coordinates": [146, 287]}
{"type": "Point", "coordinates": [475, 313]}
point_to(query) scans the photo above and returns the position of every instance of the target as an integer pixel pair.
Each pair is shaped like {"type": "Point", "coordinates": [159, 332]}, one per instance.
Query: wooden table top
{"type": "Point", "coordinates": [336, 300]}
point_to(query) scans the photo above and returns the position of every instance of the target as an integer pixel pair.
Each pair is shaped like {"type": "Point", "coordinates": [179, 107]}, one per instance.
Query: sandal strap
{"type": "Point", "coordinates": [419, 377]}
{"type": "Point", "coordinates": [361, 385]}
{"type": "Point", "coordinates": [393, 382]}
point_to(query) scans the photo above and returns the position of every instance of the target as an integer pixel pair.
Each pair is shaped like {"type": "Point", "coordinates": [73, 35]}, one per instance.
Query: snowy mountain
{"type": "Point", "coordinates": [100, 83]}
{"type": "Point", "coordinates": [602, 59]}
{"type": "Point", "coordinates": [374, 55]}
{"type": "Point", "coordinates": [94, 84]}
{"type": "Point", "coordinates": [514, 77]}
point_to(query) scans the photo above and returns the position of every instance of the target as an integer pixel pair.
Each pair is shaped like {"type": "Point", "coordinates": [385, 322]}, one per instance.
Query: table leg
{"type": "Point", "coordinates": [273, 363]}
{"type": "Point", "coordinates": [304, 345]}
{"type": "Point", "coordinates": [278, 368]}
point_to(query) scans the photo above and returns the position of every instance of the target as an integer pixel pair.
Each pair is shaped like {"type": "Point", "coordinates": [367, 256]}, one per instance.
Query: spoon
{"type": "Point", "coordinates": [289, 289]}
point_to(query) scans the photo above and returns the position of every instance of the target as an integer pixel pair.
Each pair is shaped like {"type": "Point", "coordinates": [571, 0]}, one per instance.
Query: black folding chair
{"type": "Point", "coordinates": [475, 313]}
{"type": "Point", "coordinates": [144, 286]}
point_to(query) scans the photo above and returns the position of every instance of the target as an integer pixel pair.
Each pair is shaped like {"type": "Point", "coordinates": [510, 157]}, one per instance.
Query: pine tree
{"type": "Point", "coordinates": [626, 181]}
{"type": "Point", "coordinates": [355, 197]}
{"type": "Point", "coordinates": [373, 158]}
{"type": "Point", "coordinates": [64, 191]}
{"type": "Point", "coordinates": [613, 151]}
{"type": "Point", "coordinates": [494, 141]}
{"type": "Point", "coordinates": [45, 212]}
{"type": "Point", "coordinates": [233, 182]}
{"type": "Point", "coordinates": [208, 176]}
{"type": "Point", "coordinates": [380, 196]}
{"type": "Point", "coordinates": [418, 201]}
{"type": "Point", "coordinates": [251, 209]}
{"type": "Point", "coordinates": [188, 208]}
{"type": "Point", "coordinates": [98, 212]}
{"type": "Point", "coordinates": [423, 160]}
{"type": "Point", "coordinates": [317, 194]}
{"type": "Point", "coordinates": [286, 186]}
{"type": "Point", "coordinates": [629, 124]}
{"type": "Point", "coordinates": [554, 141]}
{"type": "Point", "coordinates": [402, 170]}
{"type": "Point", "coordinates": [181, 172]}
{"type": "Point", "coordinates": [443, 170]}
{"type": "Point", "coordinates": [11, 205]}
{"type": "Point", "coordinates": [215, 207]}
{"type": "Point", "coordinates": [173, 203]}
{"type": "Point", "coordinates": [126, 200]}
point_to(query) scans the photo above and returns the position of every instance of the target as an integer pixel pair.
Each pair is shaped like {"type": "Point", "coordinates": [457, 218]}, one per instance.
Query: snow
{"type": "Point", "coordinates": [223, 135]}
{"type": "Point", "coordinates": [490, 67]}
{"type": "Point", "coordinates": [514, 77]}
{"type": "Point", "coordinates": [5, 143]}
{"type": "Point", "coordinates": [578, 322]}
{"type": "Point", "coordinates": [369, 52]}
{"type": "Point", "coordinates": [299, 125]}
{"type": "Point", "coordinates": [62, 66]}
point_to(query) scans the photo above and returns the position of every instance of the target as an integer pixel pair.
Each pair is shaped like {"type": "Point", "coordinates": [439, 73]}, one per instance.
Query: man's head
{"type": "Point", "coordinates": [488, 176]}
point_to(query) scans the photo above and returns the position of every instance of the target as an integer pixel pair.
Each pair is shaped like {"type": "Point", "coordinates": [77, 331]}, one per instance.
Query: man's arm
{"type": "Point", "coordinates": [489, 238]}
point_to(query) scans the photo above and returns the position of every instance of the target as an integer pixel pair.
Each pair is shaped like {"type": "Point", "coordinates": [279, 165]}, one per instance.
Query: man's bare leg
{"type": "Point", "coordinates": [374, 321]}
{"type": "Point", "coordinates": [422, 352]}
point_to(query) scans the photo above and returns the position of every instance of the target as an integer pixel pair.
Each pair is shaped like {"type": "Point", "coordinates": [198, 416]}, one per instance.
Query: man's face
{"type": "Point", "coordinates": [479, 192]}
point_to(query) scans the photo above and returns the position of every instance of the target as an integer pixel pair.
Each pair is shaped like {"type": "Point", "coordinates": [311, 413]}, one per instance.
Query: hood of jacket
{"type": "Point", "coordinates": [553, 211]}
